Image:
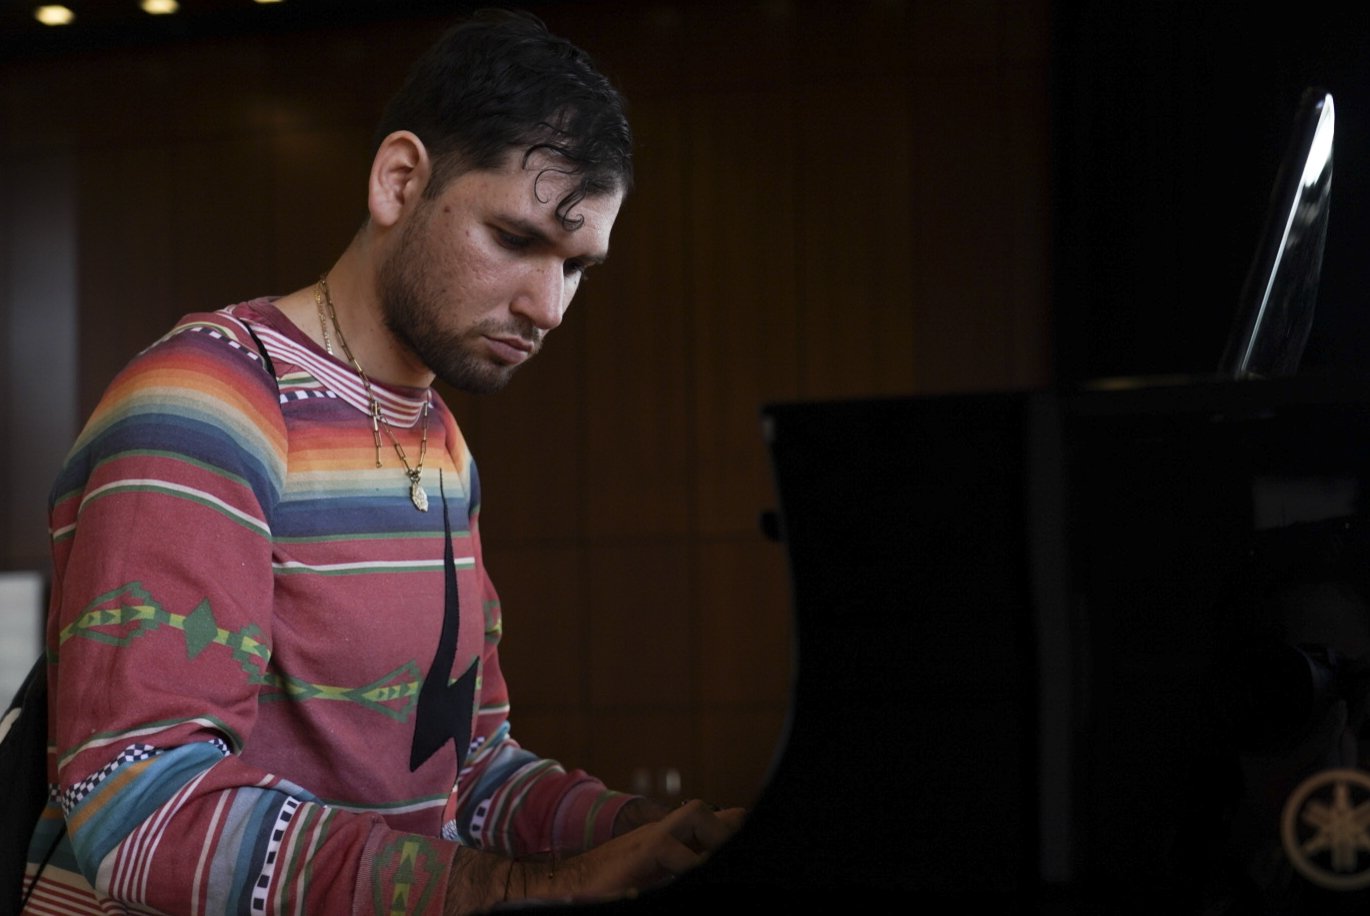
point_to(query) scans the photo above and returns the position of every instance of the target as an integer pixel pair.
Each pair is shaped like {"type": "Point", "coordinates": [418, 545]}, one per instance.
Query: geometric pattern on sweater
{"type": "Point", "coordinates": [394, 694]}
{"type": "Point", "coordinates": [77, 793]}
{"type": "Point", "coordinates": [134, 753]}
{"type": "Point", "coordinates": [121, 615]}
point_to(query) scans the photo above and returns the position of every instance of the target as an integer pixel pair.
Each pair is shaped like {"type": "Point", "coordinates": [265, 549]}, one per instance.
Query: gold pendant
{"type": "Point", "coordinates": [418, 496]}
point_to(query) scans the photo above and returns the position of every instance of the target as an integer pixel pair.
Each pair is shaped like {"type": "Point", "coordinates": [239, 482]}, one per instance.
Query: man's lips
{"type": "Point", "coordinates": [511, 350]}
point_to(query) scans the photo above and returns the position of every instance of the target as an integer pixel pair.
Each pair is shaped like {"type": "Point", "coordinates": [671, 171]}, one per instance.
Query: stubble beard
{"type": "Point", "coordinates": [413, 315]}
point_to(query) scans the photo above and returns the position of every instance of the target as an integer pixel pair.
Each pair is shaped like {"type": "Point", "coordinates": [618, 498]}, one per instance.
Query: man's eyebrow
{"type": "Point", "coordinates": [533, 231]}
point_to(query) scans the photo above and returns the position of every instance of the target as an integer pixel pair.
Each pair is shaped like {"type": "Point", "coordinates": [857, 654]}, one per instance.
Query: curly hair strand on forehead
{"type": "Point", "coordinates": [500, 82]}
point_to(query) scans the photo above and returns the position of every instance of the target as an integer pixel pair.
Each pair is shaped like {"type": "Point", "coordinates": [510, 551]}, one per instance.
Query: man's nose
{"type": "Point", "coordinates": [543, 298]}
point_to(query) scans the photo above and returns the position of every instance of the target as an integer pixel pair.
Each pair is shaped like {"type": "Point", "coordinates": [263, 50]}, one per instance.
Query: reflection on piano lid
{"type": "Point", "coordinates": [1275, 313]}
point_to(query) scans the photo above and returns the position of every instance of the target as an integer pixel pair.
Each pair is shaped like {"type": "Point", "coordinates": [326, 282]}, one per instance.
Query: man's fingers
{"type": "Point", "coordinates": [716, 827]}
{"type": "Point", "coordinates": [677, 858]}
{"type": "Point", "coordinates": [733, 817]}
{"type": "Point", "coordinates": [700, 827]}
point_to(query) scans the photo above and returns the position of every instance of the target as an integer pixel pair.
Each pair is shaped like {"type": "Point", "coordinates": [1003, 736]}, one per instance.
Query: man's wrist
{"type": "Point", "coordinates": [636, 813]}
{"type": "Point", "coordinates": [481, 880]}
{"type": "Point", "coordinates": [476, 882]}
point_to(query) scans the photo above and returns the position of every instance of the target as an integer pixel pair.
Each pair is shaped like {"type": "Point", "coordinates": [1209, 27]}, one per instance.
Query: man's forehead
{"type": "Point", "coordinates": [584, 230]}
{"type": "Point", "coordinates": [543, 178]}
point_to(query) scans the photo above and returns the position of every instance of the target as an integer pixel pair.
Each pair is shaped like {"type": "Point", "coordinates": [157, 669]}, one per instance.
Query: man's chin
{"type": "Point", "coordinates": [487, 379]}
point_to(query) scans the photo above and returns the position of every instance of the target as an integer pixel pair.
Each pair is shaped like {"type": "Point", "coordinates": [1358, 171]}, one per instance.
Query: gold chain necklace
{"type": "Point", "coordinates": [323, 322]}
{"type": "Point", "coordinates": [417, 494]}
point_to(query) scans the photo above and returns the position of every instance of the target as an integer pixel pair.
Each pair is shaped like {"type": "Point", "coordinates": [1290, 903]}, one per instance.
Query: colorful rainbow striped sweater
{"type": "Point", "coordinates": [245, 612]}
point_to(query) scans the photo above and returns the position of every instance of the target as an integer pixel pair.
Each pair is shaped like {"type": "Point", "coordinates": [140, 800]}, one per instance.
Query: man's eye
{"type": "Point", "coordinates": [514, 242]}
{"type": "Point", "coordinates": [576, 269]}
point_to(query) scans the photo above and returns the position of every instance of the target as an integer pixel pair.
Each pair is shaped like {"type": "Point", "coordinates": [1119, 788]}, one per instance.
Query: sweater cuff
{"type": "Point", "coordinates": [585, 818]}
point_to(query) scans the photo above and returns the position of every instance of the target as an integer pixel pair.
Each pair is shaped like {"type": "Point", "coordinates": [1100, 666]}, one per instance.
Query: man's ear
{"type": "Point", "coordinates": [399, 173]}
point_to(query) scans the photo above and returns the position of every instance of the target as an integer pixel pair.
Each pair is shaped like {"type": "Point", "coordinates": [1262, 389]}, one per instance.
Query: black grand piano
{"type": "Point", "coordinates": [1091, 651]}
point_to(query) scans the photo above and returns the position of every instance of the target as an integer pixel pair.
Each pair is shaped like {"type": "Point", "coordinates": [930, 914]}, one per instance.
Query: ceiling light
{"type": "Point", "coordinates": [160, 7]}
{"type": "Point", "coordinates": [53, 15]}
{"type": "Point", "coordinates": [269, 1]}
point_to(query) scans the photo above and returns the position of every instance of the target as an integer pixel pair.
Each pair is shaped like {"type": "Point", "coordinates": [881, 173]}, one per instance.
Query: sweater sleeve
{"type": "Point", "coordinates": [159, 636]}
{"type": "Point", "coordinates": [510, 800]}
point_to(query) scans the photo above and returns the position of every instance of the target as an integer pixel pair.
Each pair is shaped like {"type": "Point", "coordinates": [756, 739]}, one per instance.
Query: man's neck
{"type": "Point", "coordinates": [346, 308]}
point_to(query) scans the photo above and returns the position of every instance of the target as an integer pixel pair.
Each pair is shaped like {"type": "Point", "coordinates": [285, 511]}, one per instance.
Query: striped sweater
{"type": "Point", "coordinates": [244, 614]}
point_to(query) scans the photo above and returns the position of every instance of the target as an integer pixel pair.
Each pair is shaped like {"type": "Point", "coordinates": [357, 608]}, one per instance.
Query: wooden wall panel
{"type": "Point", "coordinates": [744, 651]}
{"type": "Point", "coordinates": [315, 206]}
{"type": "Point", "coordinates": [637, 748]}
{"type": "Point", "coordinates": [743, 245]}
{"type": "Point", "coordinates": [636, 311]}
{"type": "Point", "coordinates": [857, 262]}
{"type": "Point", "coordinates": [38, 104]}
{"type": "Point", "coordinates": [871, 42]}
{"type": "Point", "coordinates": [336, 79]}
{"type": "Point", "coordinates": [737, 47]}
{"type": "Point", "coordinates": [737, 748]}
{"type": "Point", "coordinates": [640, 622]}
{"type": "Point", "coordinates": [126, 277]}
{"type": "Point", "coordinates": [563, 734]}
{"type": "Point", "coordinates": [950, 37]}
{"type": "Point", "coordinates": [1027, 208]}
{"type": "Point", "coordinates": [959, 185]}
{"type": "Point", "coordinates": [38, 340]}
{"type": "Point", "coordinates": [546, 633]}
{"type": "Point", "coordinates": [221, 222]}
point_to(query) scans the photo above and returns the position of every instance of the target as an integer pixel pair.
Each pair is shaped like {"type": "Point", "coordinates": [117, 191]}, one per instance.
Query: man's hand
{"type": "Point", "coordinates": [639, 859]}
{"type": "Point", "coordinates": [651, 854]}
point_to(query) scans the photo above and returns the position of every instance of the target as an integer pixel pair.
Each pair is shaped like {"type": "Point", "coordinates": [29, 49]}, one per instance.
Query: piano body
{"type": "Point", "coordinates": [1034, 664]}
{"type": "Point", "coordinates": [1030, 673]}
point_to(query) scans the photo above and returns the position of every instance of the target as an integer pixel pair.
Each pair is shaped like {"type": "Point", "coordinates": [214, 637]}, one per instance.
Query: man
{"type": "Point", "coordinates": [272, 642]}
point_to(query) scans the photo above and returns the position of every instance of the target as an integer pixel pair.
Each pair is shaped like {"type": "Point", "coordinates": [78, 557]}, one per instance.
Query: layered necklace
{"type": "Point", "coordinates": [417, 494]}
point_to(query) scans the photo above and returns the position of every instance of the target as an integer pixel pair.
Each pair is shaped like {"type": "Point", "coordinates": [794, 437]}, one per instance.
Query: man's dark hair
{"type": "Point", "coordinates": [500, 82]}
